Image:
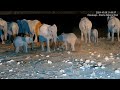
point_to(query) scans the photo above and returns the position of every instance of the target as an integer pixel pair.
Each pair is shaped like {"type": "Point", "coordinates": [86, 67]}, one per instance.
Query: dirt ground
{"type": "Point", "coordinates": [89, 61]}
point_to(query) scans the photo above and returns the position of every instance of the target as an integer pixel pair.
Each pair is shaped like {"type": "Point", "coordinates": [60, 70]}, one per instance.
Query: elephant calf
{"type": "Point", "coordinates": [69, 38]}
{"type": "Point", "coordinates": [22, 42]}
{"type": "Point", "coordinates": [94, 35]}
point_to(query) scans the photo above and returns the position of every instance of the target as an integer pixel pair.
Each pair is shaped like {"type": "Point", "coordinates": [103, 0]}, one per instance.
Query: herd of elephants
{"type": "Point", "coordinates": [24, 32]}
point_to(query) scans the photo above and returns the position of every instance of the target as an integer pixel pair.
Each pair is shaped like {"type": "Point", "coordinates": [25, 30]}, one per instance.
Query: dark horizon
{"type": "Point", "coordinates": [65, 21]}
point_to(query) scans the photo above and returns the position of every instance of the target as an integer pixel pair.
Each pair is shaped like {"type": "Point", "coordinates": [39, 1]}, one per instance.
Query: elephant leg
{"type": "Point", "coordinates": [5, 35]}
{"type": "Point", "coordinates": [113, 36]}
{"type": "Point", "coordinates": [85, 37]}
{"type": "Point", "coordinates": [65, 43]}
{"type": "Point", "coordinates": [72, 46]}
{"type": "Point", "coordinates": [48, 45]}
{"type": "Point", "coordinates": [89, 34]}
{"type": "Point", "coordinates": [35, 38]}
{"type": "Point", "coordinates": [2, 38]}
{"type": "Point", "coordinates": [118, 35]}
{"type": "Point", "coordinates": [42, 46]}
{"type": "Point", "coordinates": [82, 36]}
{"type": "Point", "coordinates": [55, 44]}
{"type": "Point", "coordinates": [25, 47]}
{"type": "Point", "coordinates": [108, 36]}
{"type": "Point", "coordinates": [17, 49]}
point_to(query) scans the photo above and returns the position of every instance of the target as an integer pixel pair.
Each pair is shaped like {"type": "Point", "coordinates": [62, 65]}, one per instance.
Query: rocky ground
{"type": "Point", "coordinates": [89, 61]}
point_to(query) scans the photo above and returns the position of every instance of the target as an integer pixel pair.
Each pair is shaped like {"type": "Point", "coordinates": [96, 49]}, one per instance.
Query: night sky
{"type": "Point", "coordinates": [65, 22]}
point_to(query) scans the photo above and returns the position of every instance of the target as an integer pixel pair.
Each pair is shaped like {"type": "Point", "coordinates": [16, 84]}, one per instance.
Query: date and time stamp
{"type": "Point", "coordinates": [103, 13]}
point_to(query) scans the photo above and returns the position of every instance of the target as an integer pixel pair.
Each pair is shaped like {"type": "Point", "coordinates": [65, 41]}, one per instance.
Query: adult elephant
{"type": "Point", "coordinates": [34, 26]}
{"type": "Point", "coordinates": [47, 33]}
{"type": "Point", "coordinates": [13, 29]}
{"type": "Point", "coordinates": [3, 23]}
{"type": "Point", "coordinates": [113, 27]}
{"type": "Point", "coordinates": [85, 26]}
{"type": "Point", "coordinates": [24, 28]}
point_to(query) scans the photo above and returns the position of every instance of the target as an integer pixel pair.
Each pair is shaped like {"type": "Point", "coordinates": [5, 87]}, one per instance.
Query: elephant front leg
{"type": "Point", "coordinates": [112, 36]}
{"type": "Point", "coordinates": [65, 43]}
{"type": "Point", "coordinates": [25, 47]}
{"type": "Point", "coordinates": [17, 49]}
{"type": "Point", "coordinates": [48, 46]}
{"type": "Point", "coordinates": [42, 46]}
{"type": "Point", "coordinates": [72, 46]}
{"type": "Point", "coordinates": [108, 36]}
{"type": "Point", "coordinates": [2, 39]}
{"type": "Point", "coordinates": [82, 36]}
{"type": "Point", "coordinates": [89, 35]}
{"type": "Point", "coordinates": [85, 37]}
{"type": "Point", "coordinates": [118, 36]}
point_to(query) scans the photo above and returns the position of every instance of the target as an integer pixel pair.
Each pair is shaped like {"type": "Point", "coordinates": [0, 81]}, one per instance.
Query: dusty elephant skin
{"type": "Point", "coordinates": [68, 38]}
{"type": "Point", "coordinates": [94, 35]}
{"type": "Point", "coordinates": [22, 41]}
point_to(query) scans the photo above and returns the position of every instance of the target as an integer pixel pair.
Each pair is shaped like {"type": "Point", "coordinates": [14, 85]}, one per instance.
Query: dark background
{"type": "Point", "coordinates": [66, 21]}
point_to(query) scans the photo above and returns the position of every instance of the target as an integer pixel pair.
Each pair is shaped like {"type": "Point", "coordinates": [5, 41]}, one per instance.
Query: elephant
{"type": "Point", "coordinates": [3, 23]}
{"type": "Point", "coordinates": [13, 29]}
{"type": "Point", "coordinates": [68, 38]}
{"type": "Point", "coordinates": [113, 27]}
{"type": "Point", "coordinates": [34, 28]}
{"type": "Point", "coordinates": [22, 41]}
{"type": "Point", "coordinates": [94, 35]}
{"type": "Point", "coordinates": [49, 32]}
{"type": "Point", "coordinates": [85, 26]}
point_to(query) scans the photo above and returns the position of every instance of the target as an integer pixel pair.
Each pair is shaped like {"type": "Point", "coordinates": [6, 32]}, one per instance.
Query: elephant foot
{"type": "Point", "coordinates": [3, 42]}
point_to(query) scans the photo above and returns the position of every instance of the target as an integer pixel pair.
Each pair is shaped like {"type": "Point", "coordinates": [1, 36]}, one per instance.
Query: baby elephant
{"type": "Point", "coordinates": [22, 41]}
{"type": "Point", "coordinates": [68, 38]}
{"type": "Point", "coordinates": [94, 35]}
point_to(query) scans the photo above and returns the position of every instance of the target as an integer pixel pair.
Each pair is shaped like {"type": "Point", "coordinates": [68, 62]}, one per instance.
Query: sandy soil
{"type": "Point", "coordinates": [89, 61]}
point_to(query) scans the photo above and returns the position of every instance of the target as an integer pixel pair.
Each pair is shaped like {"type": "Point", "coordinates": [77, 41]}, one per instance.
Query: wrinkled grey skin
{"type": "Point", "coordinates": [94, 35]}
{"type": "Point", "coordinates": [68, 38]}
{"type": "Point", "coordinates": [22, 41]}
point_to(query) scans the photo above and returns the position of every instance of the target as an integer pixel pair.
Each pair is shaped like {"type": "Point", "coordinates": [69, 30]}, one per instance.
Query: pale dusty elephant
{"type": "Point", "coordinates": [3, 23]}
{"type": "Point", "coordinates": [68, 38]}
{"type": "Point", "coordinates": [94, 35]}
{"type": "Point", "coordinates": [85, 26]}
{"type": "Point", "coordinates": [113, 27]}
{"type": "Point", "coordinates": [34, 28]}
{"type": "Point", "coordinates": [13, 29]}
{"type": "Point", "coordinates": [49, 33]}
{"type": "Point", "coordinates": [22, 42]}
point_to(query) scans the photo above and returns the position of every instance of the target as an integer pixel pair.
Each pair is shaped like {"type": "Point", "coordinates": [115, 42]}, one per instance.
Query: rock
{"type": "Point", "coordinates": [47, 56]}
{"type": "Point", "coordinates": [117, 58]}
{"type": "Point", "coordinates": [18, 63]}
{"type": "Point", "coordinates": [110, 53]}
{"type": "Point", "coordinates": [49, 62]}
{"type": "Point", "coordinates": [10, 61]}
{"type": "Point", "coordinates": [102, 67]}
{"type": "Point", "coordinates": [117, 71]}
{"type": "Point", "coordinates": [64, 74]}
{"type": "Point", "coordinates": [87, 61]}
{"type": "Point", "coordinates": [69, 52]}
{"type": "Point", "coordinates": [92, 54]}
{"type": "Point", "coordinates": [106, 58]}
{"type": "Point", "coordinates": [11, 70]}
{"type": "Point", "coordinates": [99, 64]}
{"type": "Point", "coordinates": [37, 55]}
{"type": "Point", "coordinates": [62, 71]}
{"type": "Point", "coordinates": [1, 59]}
{"type": "Point", "coordinates": [98, 55]}
{"type": "Point", "coordinates": [92, 61]}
